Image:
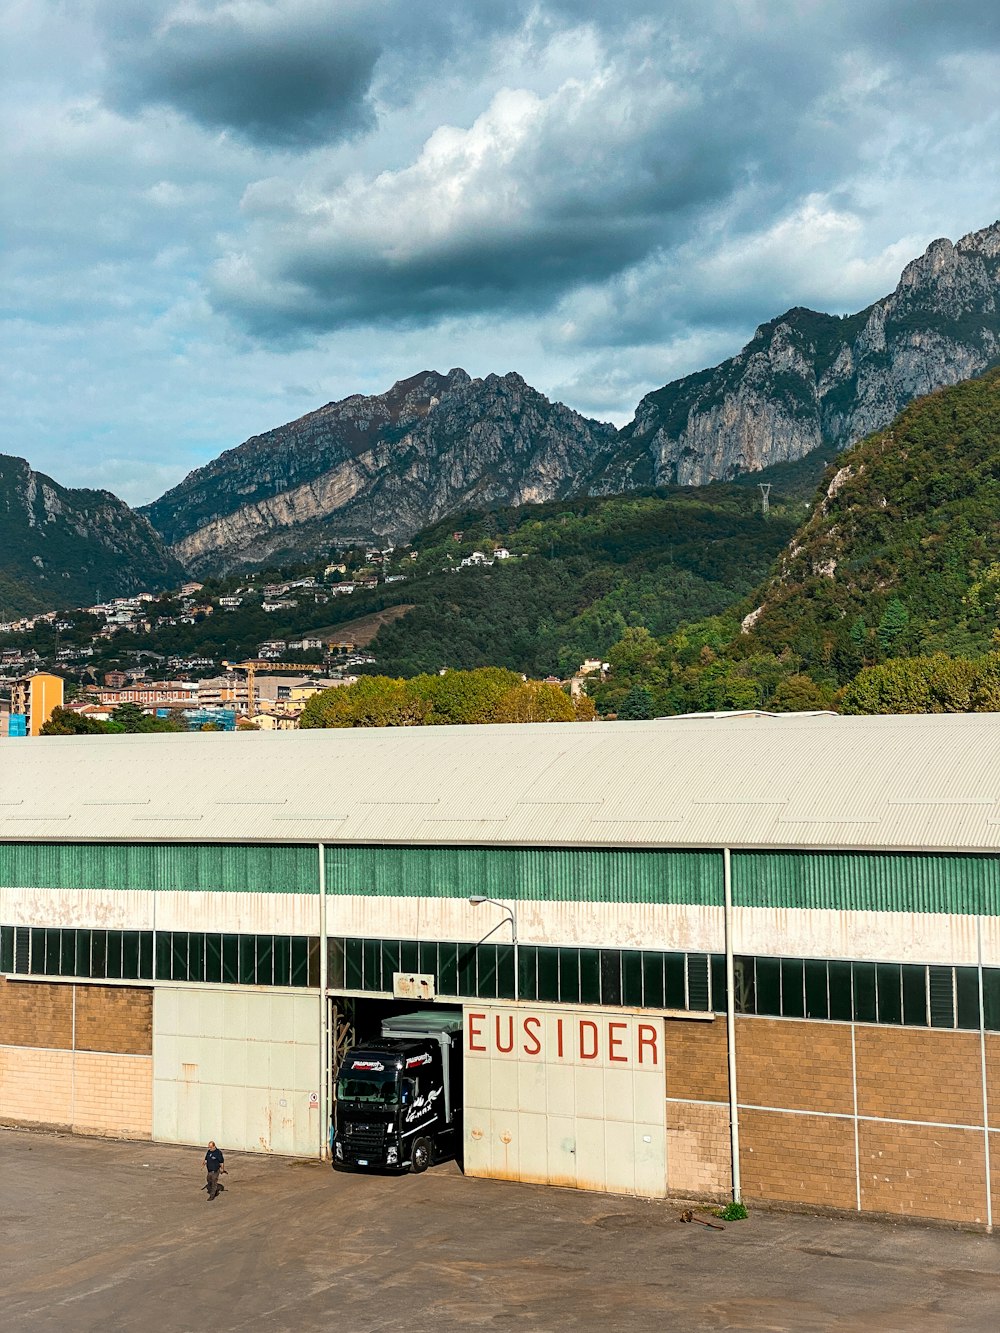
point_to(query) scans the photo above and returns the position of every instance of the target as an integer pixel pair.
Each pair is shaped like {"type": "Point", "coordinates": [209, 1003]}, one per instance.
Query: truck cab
{"type": "Point", "coordinates": [399, 1099]}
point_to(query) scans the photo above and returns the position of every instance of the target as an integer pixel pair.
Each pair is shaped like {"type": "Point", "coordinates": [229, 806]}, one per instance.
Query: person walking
{"type": "Point", "coordinates": [214, 1163]}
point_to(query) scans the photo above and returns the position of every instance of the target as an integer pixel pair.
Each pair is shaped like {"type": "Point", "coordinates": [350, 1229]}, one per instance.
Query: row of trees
{"type": "Point", "coordinates": [689, 672]}
{"type": "Point", "coordinates": [935, 684]}
{"type": "Point", "coordinates": [487, 695]}
{"type": "Point", "coordinates": [125, 718]}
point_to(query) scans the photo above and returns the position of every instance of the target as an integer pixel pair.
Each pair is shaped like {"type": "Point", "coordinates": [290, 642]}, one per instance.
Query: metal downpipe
{"type": "Point", "coordinates": [734, 1119]}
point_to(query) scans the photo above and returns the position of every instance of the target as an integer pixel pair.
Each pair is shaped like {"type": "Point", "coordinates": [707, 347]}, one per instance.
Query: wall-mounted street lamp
{"type": "Point", "coordinates": [477, 900]}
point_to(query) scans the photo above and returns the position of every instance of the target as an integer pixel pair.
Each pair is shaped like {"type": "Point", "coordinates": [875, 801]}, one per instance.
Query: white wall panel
{"type": "Point", "coordinates": [592, 925]}
{"type": "Point", "coordinates": [894, 937]}
{"type": "Point", "coordinates": [239, 913]}
{"type": "Point", "coordinates": [85, 909]}
{"type": "Point", "coordinates": [577, 1099]}
{"type": "Point", "coordinates": [238, 1066]}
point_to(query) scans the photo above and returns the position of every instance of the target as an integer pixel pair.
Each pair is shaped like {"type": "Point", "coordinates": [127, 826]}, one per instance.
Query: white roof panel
{"type": "Point", "coordinates": [917, 782]}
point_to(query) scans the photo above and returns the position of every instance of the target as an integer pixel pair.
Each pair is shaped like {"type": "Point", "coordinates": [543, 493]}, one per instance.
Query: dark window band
{"type": "Point", "coordinates": [896, 994]}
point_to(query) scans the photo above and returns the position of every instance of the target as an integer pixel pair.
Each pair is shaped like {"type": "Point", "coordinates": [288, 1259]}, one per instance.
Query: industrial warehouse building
{"type": "Point", "coordinates": [193, 928]}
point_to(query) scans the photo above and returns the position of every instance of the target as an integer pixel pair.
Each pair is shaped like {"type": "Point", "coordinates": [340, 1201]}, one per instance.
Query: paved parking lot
{"type": "Point", "coordinates": [111, 1236]}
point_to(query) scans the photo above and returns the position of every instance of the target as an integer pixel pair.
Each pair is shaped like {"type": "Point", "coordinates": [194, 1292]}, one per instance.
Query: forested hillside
{"type": "Point", "coordinates": [59, 547]}
{"type": "Point", "coordinates": [898, 563]}
{"type": "Point", "coordinates": [581, 572]}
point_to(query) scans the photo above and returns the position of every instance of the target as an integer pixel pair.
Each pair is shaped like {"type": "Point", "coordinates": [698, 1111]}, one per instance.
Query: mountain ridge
{"type": "Point", "coordinates": [61, 546]}
{"type": "Point", "coordinates": [806, 379]}
{"type": "Point", "coordinates": [381, 467]}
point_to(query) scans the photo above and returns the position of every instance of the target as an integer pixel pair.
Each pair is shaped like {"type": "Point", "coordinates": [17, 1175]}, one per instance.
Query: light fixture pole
{"type": "Point", "coordinates": [477, 900]}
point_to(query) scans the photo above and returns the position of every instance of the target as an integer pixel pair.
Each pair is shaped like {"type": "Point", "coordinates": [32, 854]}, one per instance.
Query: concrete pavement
{"type": "Point", "coordinates": [98, 1235]}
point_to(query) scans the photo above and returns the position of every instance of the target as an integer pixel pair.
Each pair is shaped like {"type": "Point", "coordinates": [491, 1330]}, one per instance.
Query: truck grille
{"type": "Point", "coordinates": [363, 1138]}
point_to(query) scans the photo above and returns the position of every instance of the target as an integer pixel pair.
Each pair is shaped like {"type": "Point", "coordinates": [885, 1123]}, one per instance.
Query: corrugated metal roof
{"type": "Point", "coordinates": [799, 781]}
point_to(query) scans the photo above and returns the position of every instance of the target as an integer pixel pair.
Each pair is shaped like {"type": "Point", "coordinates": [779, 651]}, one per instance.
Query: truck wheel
{"type": "Point", "coordinates": [420, 1157]}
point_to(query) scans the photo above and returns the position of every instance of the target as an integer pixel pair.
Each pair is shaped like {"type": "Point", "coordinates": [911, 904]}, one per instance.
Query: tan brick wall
{"type": "Point", "coordinates": [36, 1086]}
{"type": "Point", "coordinates": [919, 1171]}
{"type": "Point", "coordinates": [114, 1018]}
{"type": "Point", "coordinates": [804, 1159]}
{"type": "Point", "coordinates": [804, 1066]}
{"type": "Point", "coordinates": [113, 1095]}
{"type": "Point", "coordinates": [995, 1174]}
{"type": "Point", "coordinates": [89, 1093]}
{"type": "Point", "coordinates": [698, 1149]}
{"type": "Point", "coordinates": [697, 1060]}
{"type": "Point", "coordinates": [36, 1013]}
{"type": "Point", "coordinates": [916, 1074]}
{"type": "Point", "coordinates": [993, 1078]}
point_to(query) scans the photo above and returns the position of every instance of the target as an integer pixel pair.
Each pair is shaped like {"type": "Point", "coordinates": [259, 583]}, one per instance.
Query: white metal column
{"type": "Point", "coordinates": [734, 1118]}
{"type": "Point", "coordinates": [324, 1008]}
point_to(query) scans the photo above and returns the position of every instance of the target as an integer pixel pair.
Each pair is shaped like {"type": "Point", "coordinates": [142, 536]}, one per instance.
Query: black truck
{"type": "Point", "coordinates": [399, 1100]}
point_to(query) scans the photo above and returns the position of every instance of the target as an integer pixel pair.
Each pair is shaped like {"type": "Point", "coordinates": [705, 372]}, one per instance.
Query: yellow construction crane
{"type": "Point", "coordinates": [265, 664]}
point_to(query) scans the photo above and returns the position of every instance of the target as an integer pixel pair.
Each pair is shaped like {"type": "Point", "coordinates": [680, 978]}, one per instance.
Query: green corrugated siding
{"type": "Point", "coordinates": [146, 866]}
{"type": "Point", "coordinates": [555, 875]}
{"type": "Point", "coordinates": [889, 882]}
{"type": "Point", "coordinates": [867, 882]}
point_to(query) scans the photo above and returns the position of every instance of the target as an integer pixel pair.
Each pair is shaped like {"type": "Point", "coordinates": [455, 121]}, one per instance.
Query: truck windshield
{"type": "Point", "coordinates": [368, 1085]}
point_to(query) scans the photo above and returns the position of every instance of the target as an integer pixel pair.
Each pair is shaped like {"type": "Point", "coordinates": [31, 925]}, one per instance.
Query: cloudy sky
{"type": "Point", "coordinates": [220, 214]}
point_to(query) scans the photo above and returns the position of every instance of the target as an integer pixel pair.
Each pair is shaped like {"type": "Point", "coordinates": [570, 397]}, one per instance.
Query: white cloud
{"type": "Point", "coordinates": [599, 196]}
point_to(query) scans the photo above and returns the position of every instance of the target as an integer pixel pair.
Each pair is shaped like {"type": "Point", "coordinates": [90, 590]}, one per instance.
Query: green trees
{"type": "Point", "coordinates": [886, 600]}
{"type": "Point", "coordinates": [637, 705]}
{"type": "Point", "coordinates": [535, 701]}
{"type": "Point", "coordinates": [372, 701]}
{"type": "Point", "coordinates": [125, 718]}
{"type": "Point", "coordinates": [487, 695]}
{"type": "Point", "coordinates": [935, 684]}
{"type": "Point", "coordinates": [892, 628]}
{"type": "Point", "coordinates": [64, 722]}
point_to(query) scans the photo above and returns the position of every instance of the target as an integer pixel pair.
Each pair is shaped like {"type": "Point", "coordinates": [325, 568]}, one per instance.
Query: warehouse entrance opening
{"type": "Point", "coordinates": [355, 1019]}
{"type": "Point", "coordinates": [396, 1092]}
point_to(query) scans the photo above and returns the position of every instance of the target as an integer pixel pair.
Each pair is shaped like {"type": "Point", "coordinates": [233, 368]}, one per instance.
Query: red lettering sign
{"type": "Point", "coordinates": [505, 1050]}
{"type": "Point", "coordinates": [587, 1025]}
{"type": "Point", "coordinates": [475, 1031]}
{"type": "Point", "coordinates": [648, 1038]}
{"type": "Point", "coordinates": [616, 1043]}
{"type": "Point", "coordinates": [532, 1036]}
{"type": "Point", "coordinates": [562, 1036]}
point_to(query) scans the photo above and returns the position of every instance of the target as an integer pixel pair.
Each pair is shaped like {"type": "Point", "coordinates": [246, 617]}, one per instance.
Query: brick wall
{"type": "Point", "coordinates": [805, 1159]}
{"type": "Point", "coordinates": [993, 1077]}
{"type": "Point", "coordinates": [36, 1013]}
{"type": "Point", "coordinates": [803, 1150]}
{"type": "Point", "coordinates": [919, 1171]}
{"type": "Point", "coordinates": [696, 1060]}
{"type": "Point", "coordinates": [114, 1019]}
{"type": "Point", "coordinates": [914, 1074]}
{"type": "Point", "coordinates": [113, 1096]}
{"type": "Point", "coordinates": [698, 1147]}
{"type": "Point", "coordinates": [801, 1065]}
{"type": "Point", "coordinates": [36, 1086]}
{"type": "Point", "coordinates": [102, 1083]}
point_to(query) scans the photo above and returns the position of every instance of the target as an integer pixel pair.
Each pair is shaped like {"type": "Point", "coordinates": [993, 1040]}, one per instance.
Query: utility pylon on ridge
{"type": "Point", "coordinates": [765, 490]}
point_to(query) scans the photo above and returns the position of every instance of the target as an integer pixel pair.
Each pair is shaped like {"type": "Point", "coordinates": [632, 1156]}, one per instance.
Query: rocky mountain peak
{"type": "Point", "coordinates": [808, 379]}
{"type": "Point", "coordinates": [381, 466]}
{"type": "Point", "coordinates": [985, 242]}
